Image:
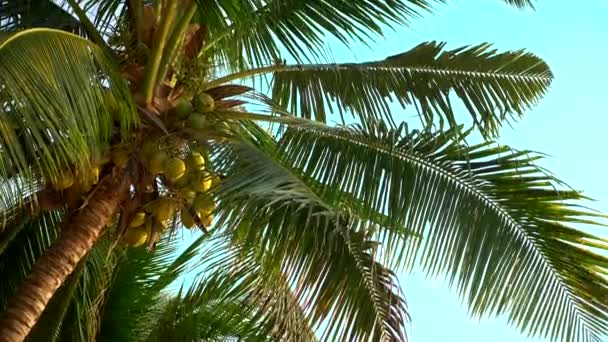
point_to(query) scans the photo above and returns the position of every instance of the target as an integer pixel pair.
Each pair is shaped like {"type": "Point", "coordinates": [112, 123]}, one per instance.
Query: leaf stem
{"type": "Point", "coordinates": [246, 73]}
{"type": "Point", "coordinates": [137, 10]}
{"type": "Point", "coordinates": [89, 27]}
{"type": "Point", "coordinates": [175, 40]}
{"type": "Point", "coordinates": [160, 41]}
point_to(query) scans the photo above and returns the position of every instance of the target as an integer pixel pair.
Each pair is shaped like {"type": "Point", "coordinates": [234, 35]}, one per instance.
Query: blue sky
{"type": "Point", "coordinates": [570, 124]}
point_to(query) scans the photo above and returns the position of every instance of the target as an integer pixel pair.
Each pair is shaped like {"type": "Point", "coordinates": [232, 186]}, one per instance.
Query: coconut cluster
{"type": "Point", "coordinates": [183, 173]}
{"type": "Point", "coordinates": [175, 176]}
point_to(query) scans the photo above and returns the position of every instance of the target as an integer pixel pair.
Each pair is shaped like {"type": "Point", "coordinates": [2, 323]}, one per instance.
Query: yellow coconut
{"type": "Point", "coordinates": [164, 210]}
{"type": "Point", "coordinates": [197, 121]}
{"type": "Point", "coordinates": [201, 182]}
{"type": "Point", "coordinates": [135, 237]}
{"type": "Point", "coordinates": [182, 108]}
{"type": "Point", "coordinates": [93, 176]}
{"type": "Point", "coordinates": [184, 181]}
{"type": "Point", "coordinates": [174, 168]}
{"type": "Point", "coordinates": [203, 205]}
{"type": "Point", "coordinates": [157, 162]}
{"type": "Point", "coordinates": [196, 161]}
{"type": "Point", "coordinates": [138, 219]}
{"type": "Point", "coordinates": [187, 219]}
{"type": "Point", "coordinates": [188, 194]}
{"type": "Point", "coordinates": [204, 102]}
{"type": "Point", "coordinates": [120, 157]}
{"type": "Point", "coordinates": [63, 181]}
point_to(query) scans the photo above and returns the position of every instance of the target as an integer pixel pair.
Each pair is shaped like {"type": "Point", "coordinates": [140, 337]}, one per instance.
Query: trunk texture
{"type": "Point", "coordinates": [77, 237]}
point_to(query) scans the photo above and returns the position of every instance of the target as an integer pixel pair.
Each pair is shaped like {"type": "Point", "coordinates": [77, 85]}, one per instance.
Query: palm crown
{"type": "Point", "coordinates": [128, 123]}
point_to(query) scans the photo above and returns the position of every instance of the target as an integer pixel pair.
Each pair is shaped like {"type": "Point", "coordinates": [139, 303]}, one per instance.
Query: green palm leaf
{"type": "Point", "coordinates": [494, 87]}
{"type": "Point", "coordinates": [22, 14]}
{"type": "Point", "coordinates": [55, 108]}
{"type": "Point", "coordinates": [491, 220]}
{"type": "Point", "coordinates": [253, 32]}
{"type": "Point", "coordinates": [314, 244]}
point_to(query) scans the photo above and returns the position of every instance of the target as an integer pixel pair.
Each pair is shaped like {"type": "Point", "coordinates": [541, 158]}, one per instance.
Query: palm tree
{"type": "Point", "coordinates": [311, 220]}
{"type": "Point", "coordinates": [109, 295]}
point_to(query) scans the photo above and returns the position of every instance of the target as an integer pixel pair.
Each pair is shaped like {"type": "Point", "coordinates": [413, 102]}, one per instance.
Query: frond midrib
{"type": "Point", "coordinates": [41, 29]}
{"type": "Point", "coordinates": [376, 66]}
{"type": "Point", "coordinates": [529, 241]}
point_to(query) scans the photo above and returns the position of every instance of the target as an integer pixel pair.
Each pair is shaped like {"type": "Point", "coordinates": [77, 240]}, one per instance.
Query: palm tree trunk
{"type": "Point", "coordinates": [78, 236]}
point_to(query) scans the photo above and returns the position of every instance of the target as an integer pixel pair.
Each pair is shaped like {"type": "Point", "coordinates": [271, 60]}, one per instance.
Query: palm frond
{"type": "Point", "coordinates": [494, 86]}
{"type": "Point", "coordinates": [255, 31]}
{"type": "Point", "coordinates": [23, 14]}
{"type": "Point", "coordinates": [491, 220]}
{"type": "Point", "coordinates": [140, 279]}
{"type": "Point", "coordinates": [21, 248]}
{"type": "Point", "coordinates": [332, 265]}
{"type": "Point", "coordinates": [55, 109]}
{"type": "Point", "coordinates": [521, 3]}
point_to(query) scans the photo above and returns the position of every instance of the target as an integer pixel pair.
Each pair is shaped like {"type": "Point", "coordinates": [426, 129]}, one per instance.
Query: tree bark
{"type": "Point", "coordinates": [78, 236]}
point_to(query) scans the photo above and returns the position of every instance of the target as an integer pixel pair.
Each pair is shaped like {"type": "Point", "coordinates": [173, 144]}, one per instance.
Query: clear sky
{"type": "Point", "coordinates": [570, 124]}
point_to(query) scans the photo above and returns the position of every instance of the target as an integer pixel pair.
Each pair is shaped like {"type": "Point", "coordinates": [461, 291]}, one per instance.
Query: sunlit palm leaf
{"type": "Point", "coordinates": [140, 279]}
{"type": "Point", "coordinates": [55, 108]}
{"type": "Point", "coordinates": [313, 244]}
{"type": "Point", "coordinates": [490, 219]}
{"type": "Point", "coordinates": [258, 30]}
{"type": "Point", "coordinates": [20, 248]}
{"type": "Point", "coordinates": [494, 87]}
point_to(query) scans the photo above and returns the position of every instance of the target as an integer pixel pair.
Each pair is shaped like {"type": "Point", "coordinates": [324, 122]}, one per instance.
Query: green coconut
{"type": "Point", "coordinates": [174, 168]}
{"type": "Point", "coordinates": [183, 108]}
{"type": "Point", "coordinates": [156, 162]}
{"type": "Point", "coordinates": [197, 121]}
{"type": "Point", "coordinates": [204, 102]}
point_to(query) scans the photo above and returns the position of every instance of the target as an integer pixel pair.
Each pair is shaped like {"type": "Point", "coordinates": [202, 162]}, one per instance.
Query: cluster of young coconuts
{"type": "Point", "coordinates": [185, 178]}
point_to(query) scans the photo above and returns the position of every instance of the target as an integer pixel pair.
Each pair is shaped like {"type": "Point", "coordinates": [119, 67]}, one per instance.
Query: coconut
{"type": "Point", "coordinates": [182, 108]}
{"type": "Point", "coordinates": [187, 219]}
{"type": "Point", "coordinates": [175, 168]}
{"type": "Point", "coordinates": [138, 219]}
{"type": "Point", "coordinates": [202, 182]}
{"type": "Point", "coordinates": [93, 176]}
{"type": "Point", "coordinates": [188, 194]}
{"type": "Point", "coordinates": [120, 157]}
{"type": "Point", "coordinates": [156, 162]}
{"type": "Point", "coordinates": [163, 210]}
{"type": "Point", "coordinates": [197, 121]}
{"type": "Point", "coordinates": [184, 181]}
{"type": "Point", "coordinates": [203, 205]}
{"type": "Point", "coordinates": [204, 102]}
{"type": "Point", "coordinates": [63, 181]}
{"type": "Point", "coordinates": [196, 161]}
{"type": "Point", "coordinates": [135, 237]}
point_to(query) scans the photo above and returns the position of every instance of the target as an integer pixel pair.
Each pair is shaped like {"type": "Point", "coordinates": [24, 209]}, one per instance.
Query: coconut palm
{"type": "Point", "coordinates": [139, 119]}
